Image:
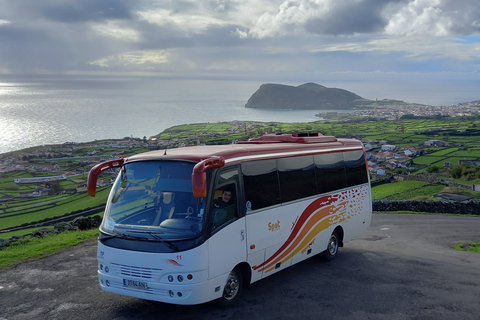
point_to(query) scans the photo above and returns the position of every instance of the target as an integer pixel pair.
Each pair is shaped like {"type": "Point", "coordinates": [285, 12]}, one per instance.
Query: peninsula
{"type": "Point", "coordinates": [307, 96]}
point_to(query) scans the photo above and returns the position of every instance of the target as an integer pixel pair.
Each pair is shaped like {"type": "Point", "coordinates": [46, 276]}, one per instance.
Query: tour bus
{"type": "Point", "coordinates": [194, 224]}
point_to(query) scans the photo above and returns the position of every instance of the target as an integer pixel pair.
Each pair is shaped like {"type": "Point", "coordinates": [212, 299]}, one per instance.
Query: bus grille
{"type": "Point", "coordinates": [136, 272]}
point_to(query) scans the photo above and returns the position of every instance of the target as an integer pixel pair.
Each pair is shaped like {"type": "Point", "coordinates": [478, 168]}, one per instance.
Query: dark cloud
{"type": "Point", "coordinates": [71, 11]}
{"type": "Point", "coordinates": [464, 16]}
{"type": "Point", "coordinates": [351, 17]}
{"type": "Point", "coordinates": [86, 10]}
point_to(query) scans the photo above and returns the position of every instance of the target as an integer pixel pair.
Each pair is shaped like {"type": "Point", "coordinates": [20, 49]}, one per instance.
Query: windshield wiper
{"type": "Point", "coordinates": [155, 235]}
{"type": "Point", "coordinates": [118, 234]}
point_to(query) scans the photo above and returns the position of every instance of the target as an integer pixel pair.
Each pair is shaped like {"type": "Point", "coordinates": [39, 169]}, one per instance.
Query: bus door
{"type": "Point", "coordinates": [227, 244]}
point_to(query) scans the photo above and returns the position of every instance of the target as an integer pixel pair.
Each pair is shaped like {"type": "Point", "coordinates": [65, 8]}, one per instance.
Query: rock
{"type": "Point", "coordinates": [43, 231]}
{"type": "Point", "coordinates": [64, 226]}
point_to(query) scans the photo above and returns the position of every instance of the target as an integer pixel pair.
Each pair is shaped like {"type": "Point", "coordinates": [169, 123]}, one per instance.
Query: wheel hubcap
{"type": "Point", "coordinates": [332, 246]}
{"type": "Point", "coordinates": [231, 288]}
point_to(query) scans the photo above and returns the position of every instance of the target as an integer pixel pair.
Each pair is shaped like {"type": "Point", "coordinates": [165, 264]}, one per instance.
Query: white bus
{"type": "Point", "coordinates": [195, 224]}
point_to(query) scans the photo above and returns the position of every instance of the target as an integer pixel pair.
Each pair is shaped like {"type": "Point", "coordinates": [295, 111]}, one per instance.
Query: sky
{"type": "Point", "coordinates": [405, 44]}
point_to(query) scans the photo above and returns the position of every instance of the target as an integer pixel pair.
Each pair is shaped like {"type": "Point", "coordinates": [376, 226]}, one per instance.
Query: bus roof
{"type": "Point", "coordinates": [265, 147]}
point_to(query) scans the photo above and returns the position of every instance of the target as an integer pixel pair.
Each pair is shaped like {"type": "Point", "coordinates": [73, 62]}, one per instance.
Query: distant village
{"type": "Point", "coordinates": [397, 111]}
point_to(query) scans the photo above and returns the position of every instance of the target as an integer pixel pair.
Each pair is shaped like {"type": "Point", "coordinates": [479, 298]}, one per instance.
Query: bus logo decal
{"type": "Point", "coordinates": [274, 226]}
{"type": "Point", "coordinates": [175, 263]}
{"type": "Point", "coordinates": [319, 215]}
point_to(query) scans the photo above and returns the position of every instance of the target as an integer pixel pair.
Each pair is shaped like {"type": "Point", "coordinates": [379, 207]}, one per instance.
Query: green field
{"type": "Point", "coordinates": [28, 213]}
{"type": "Point", "coordinates": [416, 190]}
{"type": "Point", "coordinates": [34, 248]}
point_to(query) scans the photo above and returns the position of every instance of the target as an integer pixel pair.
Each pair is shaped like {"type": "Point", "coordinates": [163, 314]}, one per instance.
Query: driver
{"type": "Point", "coordinates": [224, 200]}
{"type": "Point", "coordinates": [223, 208]}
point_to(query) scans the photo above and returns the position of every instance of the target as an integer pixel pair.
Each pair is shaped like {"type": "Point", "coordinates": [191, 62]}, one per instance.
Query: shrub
{"type": "Point", "coordinates": [433, 169]}
{"type": "Point", "coordinates": [456, 171]}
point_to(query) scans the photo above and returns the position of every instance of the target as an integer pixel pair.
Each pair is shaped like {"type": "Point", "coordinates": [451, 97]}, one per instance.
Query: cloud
{"type": "Point", "coordinates": [325, 17]}
{"type": "Point", "coordinates": [189, 23]}
{"type": "Point", "coordinates": [415, 47]}
{"type": "Point", "coordinates": [435, 18]}
{"type": "Point", "coordinates": [348, 17]}
{"type": "Point", "coordinates": [238, 36]}
{"type": "Point", "coordinates": [153, 57]}
{"type": "Point", "coordinates": [117, 30]}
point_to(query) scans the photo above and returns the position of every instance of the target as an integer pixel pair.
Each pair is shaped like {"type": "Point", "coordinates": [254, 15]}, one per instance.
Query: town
{"type": "Point", "coordinates": [396, 111]}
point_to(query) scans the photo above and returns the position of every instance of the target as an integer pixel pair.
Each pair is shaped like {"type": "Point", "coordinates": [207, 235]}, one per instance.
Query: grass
{"type": "Point", "coordinates": [385, 190]}
{"type": "Point", "coordinates": [35, 248]}
{"type": "Point", "coordinates": [26, 232]}
{"type": "Point", "coordinates": [424, 193]}
{"type": "Point", "coordinates": [469, 247]}
{"type": "Point", "coordinates": [81, 201]}
{"type": "Point", "coordinates": [20, 233]}
{"type": "Point", "coordinates": [414, 190]}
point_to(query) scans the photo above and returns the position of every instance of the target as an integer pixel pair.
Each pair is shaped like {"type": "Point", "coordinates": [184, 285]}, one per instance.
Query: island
{"type": "Point", "coordinates": [308, 96]}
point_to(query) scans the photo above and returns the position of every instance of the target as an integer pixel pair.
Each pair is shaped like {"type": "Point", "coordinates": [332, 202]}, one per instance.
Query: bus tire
{"type": "Point", "coordinates": [233, 288]}
{"type": "Point", "coordinates": [332, 247]}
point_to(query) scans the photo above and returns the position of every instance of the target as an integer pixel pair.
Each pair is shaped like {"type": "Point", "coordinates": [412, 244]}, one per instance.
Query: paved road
{"type": "Point", "coordinates": [403, 267]}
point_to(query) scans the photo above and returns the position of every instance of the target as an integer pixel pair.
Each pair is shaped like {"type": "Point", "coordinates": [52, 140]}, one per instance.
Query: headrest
{"type": "Point", "coordinates": [167, 197]}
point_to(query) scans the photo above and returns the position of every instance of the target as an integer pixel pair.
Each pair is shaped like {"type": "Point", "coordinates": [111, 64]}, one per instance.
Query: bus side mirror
{"type": "Point", "coordinates": [96, 170]}
{"type": "Point", "coordinates": [199, 176]}
{"type": "Point", "coordinates": [199, 184]}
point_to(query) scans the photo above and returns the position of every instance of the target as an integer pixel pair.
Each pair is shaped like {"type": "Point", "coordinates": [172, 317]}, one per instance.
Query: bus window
{"type": "Point", "coordinates": [223, 208]}
{"type": "Point", "coordinates": [224, 202]}
{"type": "Point", "coordinates": [297, 178]}
{"type": "Point", "coordinates": [330, 171]}
{"type": "Point", "coordinates": [355, 167]}
{"type": "Point", "coordinates": [154, 197]}
{"type": "Point", "coordinates": [262, 188]}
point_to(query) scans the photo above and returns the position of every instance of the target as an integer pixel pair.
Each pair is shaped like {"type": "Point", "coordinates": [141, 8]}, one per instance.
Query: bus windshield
{"type": "Point", "coordinates": [153, 200]}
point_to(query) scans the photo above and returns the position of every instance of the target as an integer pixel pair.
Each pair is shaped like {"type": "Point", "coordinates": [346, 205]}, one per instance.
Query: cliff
{"type": "Point", "coordinates": [305, 96]}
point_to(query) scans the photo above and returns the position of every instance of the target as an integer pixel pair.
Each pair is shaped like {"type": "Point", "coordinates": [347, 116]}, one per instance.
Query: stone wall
{"type": "Point", "coordinates": [425, 177]}
{"type": "Point", "coordinates": [470, 207]}
{"type": "Point", "coordinates": [80, 223]}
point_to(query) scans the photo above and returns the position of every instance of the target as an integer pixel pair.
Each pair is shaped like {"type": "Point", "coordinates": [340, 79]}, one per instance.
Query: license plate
{"type": "Point", "coordinates": [135, 284]}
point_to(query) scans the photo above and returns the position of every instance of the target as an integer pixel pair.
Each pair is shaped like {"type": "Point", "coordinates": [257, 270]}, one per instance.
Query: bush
{"type": "Point", "coordinates": [433, 169]}
{"type": "Point", "coordinates": [456, 171]}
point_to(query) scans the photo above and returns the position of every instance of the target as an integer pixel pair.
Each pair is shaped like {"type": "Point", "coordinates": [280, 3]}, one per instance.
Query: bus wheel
{"type": "Point", "coordinates": [233, 288]}
{"type": "Point", "coordinates": [332, 247]}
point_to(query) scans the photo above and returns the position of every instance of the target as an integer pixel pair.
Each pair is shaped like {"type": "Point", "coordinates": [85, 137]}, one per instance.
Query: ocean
{"type": "Point", "coordinates": [52, 112]}
{"type": "Point", "coordinates": [44, 111]}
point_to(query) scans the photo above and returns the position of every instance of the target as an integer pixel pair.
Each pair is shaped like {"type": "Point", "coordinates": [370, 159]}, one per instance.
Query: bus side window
{"type": "Point", "coordinates": [262, 188]}
{"type": "Point", "coordinates": [355, 167]}
{"type": "Point", "coordinates": [224, 203]}
{"type": "Point", "coordinates": [223, 209]}
{"type": "Point", "coordinates": [330, 172]}
{"type": "Point", "coordinates": [297, 178]}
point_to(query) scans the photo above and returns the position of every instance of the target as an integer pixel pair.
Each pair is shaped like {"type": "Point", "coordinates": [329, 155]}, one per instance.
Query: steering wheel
{"type": "Point", "coordinates": [190, 213]}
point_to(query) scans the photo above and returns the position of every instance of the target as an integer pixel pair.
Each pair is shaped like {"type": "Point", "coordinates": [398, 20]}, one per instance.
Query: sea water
{"type": "Point", "coordinates": [41, 113]}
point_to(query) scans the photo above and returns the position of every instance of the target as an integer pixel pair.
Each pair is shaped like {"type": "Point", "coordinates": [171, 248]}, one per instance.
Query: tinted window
{"type": "Point", "coordinates": [223, 206]}
{"type": "Point", "coordinates": [261, 184]}
{"type": "Point", "coordinates": [355, 167]}
{"type": "Point", "coordinates": [297, 178]}
{"type": "Point", "coordinates": [330, 171]}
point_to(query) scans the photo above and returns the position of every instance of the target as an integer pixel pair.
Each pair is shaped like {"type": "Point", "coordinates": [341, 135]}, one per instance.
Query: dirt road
{"type": "Point", "coordinates": [403, 267]}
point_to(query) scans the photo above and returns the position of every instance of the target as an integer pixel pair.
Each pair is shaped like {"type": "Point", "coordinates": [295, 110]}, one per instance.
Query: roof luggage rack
{"type": "Point", "coordinates": [292, 138]}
